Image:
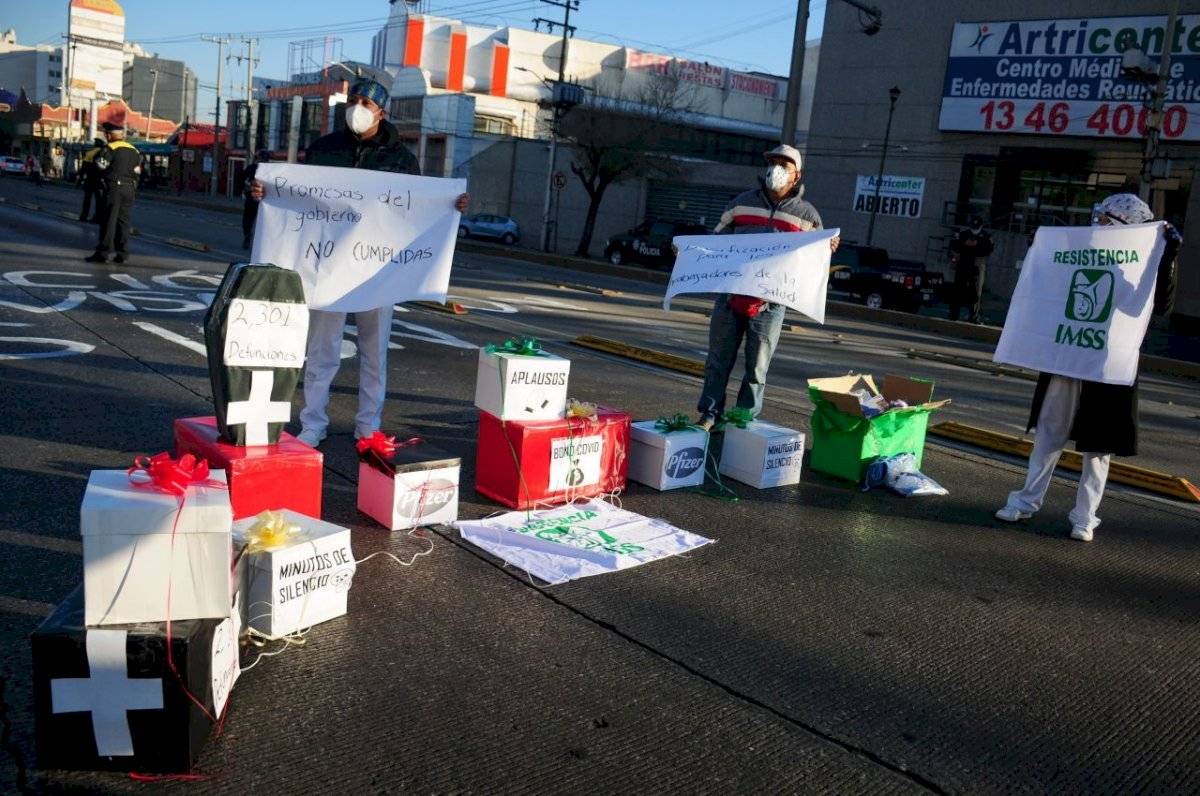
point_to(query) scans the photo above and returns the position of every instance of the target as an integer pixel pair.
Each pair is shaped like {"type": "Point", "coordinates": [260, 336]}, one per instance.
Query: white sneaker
{"type": "Point", "coordinates": [310, 437]}
{"type": "Point", "coordinates": [1012, 514]}
{"type": "Point", "coordinates": [1081, 533]}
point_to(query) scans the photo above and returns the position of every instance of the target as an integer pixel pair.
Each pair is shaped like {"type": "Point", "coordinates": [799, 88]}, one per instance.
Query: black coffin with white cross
{"type": "Point", "coordinates": [256, 332]}
{"type": "Point", "coordinates": [105, 697]}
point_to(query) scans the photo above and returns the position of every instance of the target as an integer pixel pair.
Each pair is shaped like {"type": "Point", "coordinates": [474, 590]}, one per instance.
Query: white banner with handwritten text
{"type": "Point", "coordinates": [359, 239]}
{"type": "Point", "coordinates": [783, 268]}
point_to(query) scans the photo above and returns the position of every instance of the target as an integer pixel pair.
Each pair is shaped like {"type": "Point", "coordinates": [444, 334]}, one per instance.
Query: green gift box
{"type": "Point", "coordinates": [845, 441]}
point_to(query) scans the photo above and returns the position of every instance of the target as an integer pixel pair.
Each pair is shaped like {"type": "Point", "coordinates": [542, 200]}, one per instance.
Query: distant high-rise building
{"type": "Point", "coordinates": [38, 70]}
{"type": "Point", "coordinates": [174, 96]}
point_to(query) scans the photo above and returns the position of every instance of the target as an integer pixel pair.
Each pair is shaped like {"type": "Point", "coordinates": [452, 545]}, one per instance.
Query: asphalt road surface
{"type": "Point", "coordinates": [831, 641]}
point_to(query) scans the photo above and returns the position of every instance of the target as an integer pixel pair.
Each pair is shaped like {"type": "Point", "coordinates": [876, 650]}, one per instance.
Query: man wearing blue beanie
{"type": "Point", "coordinates": [368, 141]}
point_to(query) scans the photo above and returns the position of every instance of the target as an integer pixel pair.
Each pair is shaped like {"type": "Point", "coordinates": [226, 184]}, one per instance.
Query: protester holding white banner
{"type": "Point", "coordinates": [368, 141]}
{"type": "Point", "coordinates": [1111, 281]}
{"type": "Point", "coordinates": [775, 206]}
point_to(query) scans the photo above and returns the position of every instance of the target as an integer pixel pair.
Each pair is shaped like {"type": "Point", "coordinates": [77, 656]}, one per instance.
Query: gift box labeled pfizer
{"type": "Point", "coordinates": [667, 453]}
{"type": "Point", "coordinates": [519, 381]}
{"type": "Point", "coordinates": [286, 475]}
{"type": "Point", "coordinates": [854, 422]}
{"type": "Point", "coordinates": [762, 454]}
{"type": "Point", "coordinates": [106, 698]}
{"type": "Point", "coordinates": [143, 534]}
{"type": "Point", "coordinates": [297, 571]}
{"type": "Point", "coordinates": [407, 484]}
{"type": "Point", "coordinates": [545, 462]}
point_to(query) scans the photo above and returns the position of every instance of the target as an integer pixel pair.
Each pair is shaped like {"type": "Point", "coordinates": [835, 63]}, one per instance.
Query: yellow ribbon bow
{"type": "Point", "coordinates": [271, 532]}
{"type": "Point", "coordinates": [580, 408]}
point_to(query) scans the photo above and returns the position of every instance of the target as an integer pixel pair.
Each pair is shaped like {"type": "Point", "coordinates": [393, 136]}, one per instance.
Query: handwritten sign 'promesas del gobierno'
{"type": "Point", "coordinates": [783, 268]}
{"type": "Point", "coordinates": [359, 239]}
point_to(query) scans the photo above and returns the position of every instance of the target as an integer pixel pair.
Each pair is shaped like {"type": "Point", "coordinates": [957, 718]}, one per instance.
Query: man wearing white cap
{"type": "Point", "coordinates": [1101, 418]}
{"type": "Point", "coordinates": [776, 205]}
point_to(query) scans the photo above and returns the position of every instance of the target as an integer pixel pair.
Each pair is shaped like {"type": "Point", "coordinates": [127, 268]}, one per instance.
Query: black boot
{"type": "Point", "coordinates": [96, 257]}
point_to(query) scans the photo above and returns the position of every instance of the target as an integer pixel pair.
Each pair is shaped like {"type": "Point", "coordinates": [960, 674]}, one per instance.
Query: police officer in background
{"type": "Point", "coordinates": [969, 250]}
{"type": "Point", "coordinates": [119, 165]}
{"type": "Point", "coordinates": [89, 178]}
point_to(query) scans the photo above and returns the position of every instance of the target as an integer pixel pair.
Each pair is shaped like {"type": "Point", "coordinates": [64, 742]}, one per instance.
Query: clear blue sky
{"type": "Point", "coordinates": [748, 34]}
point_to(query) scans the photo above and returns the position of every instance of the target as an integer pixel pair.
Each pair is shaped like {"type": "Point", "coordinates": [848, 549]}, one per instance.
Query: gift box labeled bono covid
{"type": "Point", "coordinates": [107, 699]}
{"type": "Point", "coordinates": [520, 381]}
{"type": "Point", "coordinates": [161, 525]}
{"type": "Point", "coordinates": [761, 454]}
{"type": "Point", "coordinates": [407, 484]}
{"type": "Point", "coordinates": [668, 453]}
{"type": "Point", "coordinates": [286, 475]}
{"type": "Point", "coordinates": [854, 421]}
{"type": "Point", "coordinates": [521, 464]}
{"type": "Point", "coordinates": [296, 570]}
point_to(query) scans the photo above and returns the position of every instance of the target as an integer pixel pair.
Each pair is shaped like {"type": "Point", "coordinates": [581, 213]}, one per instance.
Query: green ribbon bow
{"type": "Point", "coordinates": [525, 347]}
{"type": "Point", "coordinates": [738, 416]}
{"type": "Point", "coordinates": [676, 422]}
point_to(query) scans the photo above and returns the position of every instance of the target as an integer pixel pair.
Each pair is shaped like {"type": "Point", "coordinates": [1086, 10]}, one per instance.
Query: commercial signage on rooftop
{"type": "Point", "coordinates": [1062, 77]}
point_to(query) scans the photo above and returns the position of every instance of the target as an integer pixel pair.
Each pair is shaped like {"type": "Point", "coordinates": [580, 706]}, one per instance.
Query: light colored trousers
{"type": "Point", "coordinates": [1050, 437]}
{"type": "Point", "coordinates": [325, 332]}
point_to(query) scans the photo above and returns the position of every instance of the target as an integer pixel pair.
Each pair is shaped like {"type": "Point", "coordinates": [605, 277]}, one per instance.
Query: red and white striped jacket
{"type": "Point", "coordinates": [753, 211]}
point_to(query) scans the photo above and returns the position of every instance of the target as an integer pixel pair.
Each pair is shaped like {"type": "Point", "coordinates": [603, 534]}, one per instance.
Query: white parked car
{"type": "Point", "coordinates": [12, 165]}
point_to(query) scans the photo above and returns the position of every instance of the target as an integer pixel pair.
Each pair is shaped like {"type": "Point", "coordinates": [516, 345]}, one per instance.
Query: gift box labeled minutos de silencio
{"type": "Point", "coordinates": [521, 464]}
{"type": "Point", "coordinates": [286, 475]}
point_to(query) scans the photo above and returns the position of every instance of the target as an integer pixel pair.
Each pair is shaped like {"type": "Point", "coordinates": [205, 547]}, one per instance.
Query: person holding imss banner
{"type": "Point", "coordinates": [1101, 418]}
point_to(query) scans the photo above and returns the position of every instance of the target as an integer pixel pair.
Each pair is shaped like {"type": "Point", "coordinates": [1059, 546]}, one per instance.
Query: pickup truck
{"type": "Point", "coordinates": [866, 275]}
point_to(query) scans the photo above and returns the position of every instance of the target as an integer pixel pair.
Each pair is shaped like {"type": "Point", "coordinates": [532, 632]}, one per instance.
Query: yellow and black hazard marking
{"type": "Point", "coordinates": [599, 291]}
{"type": "Point", "coordinates": [184, 243]}
{"type": "Point", "coordinates": [974, 363]}
{"type": "Point", "coordinates": [450, 307]}
{"type": "Point", "coordinates": [693, 367]}
{"type": "Point", "coordinates": [1173, 486]}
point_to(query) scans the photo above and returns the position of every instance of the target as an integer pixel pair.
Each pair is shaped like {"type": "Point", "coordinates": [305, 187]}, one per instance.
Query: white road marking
{"type": "Point", "coordinates": [68, 348]}
{"type": "Point", "coordinates": [170, 336]}
{"type": "Point", "coordinates": [73, 300]}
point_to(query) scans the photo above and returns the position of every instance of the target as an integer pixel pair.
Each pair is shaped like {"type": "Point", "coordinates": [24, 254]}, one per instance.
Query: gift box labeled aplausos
{"type": "Point", "coordinates": [256, 333]}
{"type": "Point", "coordinates": [286, 475]}
{"type": "Point", "coordinates": [160, 525]}
{"type": "Point", "coordinates": [761, 454]}
{"type": "Point", "coordinates": [521, 464]}
{"type": "Point", "coordinates": [407, 484]}
{"type": "Point", "coordinates": [296, 571]}
{"type": "Point", "coordinates": [855, 422]}
{"type": "Point", "coordinates": [107, 699]}
{"type": "Point", "coordinates": [520, 381]}
{"type": "Point", "coordinates": [668, 453]}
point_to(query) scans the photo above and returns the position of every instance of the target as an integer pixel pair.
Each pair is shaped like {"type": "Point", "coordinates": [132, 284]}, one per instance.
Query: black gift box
{"type": "Point", "coordinates": [419, 455]}
{"type": "Point", "coordinates": [146, 721]}
{"type": "Point", "coordinates": [259, 282]}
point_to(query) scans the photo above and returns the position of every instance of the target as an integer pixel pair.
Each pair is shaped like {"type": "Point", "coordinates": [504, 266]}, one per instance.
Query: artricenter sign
{"type": "Point", "coordinates": [1063, 77]}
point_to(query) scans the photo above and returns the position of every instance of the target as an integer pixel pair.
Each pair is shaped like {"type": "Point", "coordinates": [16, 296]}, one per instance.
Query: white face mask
{"type": "Point", "coordinates": [359, 119]}
{"type": "Point", "coordinates": [778, 178]}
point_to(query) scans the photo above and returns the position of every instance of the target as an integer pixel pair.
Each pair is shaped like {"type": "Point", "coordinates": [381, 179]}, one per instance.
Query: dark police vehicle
{"type": "Point", "coordinates": [649, 243]}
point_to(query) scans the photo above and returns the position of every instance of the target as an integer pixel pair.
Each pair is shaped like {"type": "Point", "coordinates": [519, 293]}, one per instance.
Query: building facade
{"type": "Point", "coordinates": [160, 87]}
{"type": "Point", "coordinates": [1019, 114]}
{"type": "Point", "coordinates": [38, 70]}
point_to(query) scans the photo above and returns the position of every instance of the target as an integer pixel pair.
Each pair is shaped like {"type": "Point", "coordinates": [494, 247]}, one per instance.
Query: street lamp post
{"type": "Point", "coordinates": [893, 95]}
{"type": "Point", "coordinates": [153, 91]}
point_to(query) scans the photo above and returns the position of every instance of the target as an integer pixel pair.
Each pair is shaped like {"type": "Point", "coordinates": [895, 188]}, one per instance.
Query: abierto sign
{"type": "Point", "coordinates": [1063, 77]}
{"type": "Point", "coordinates": [898, 196]}
{"type": "Point", "coordinates": [1083, 302]}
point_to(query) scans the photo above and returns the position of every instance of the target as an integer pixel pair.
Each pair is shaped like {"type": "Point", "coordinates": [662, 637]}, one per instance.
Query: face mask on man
{"type": "Point", "coordinates": [778, 178]}
{"type": "Point", "coordinates": [359, 119]}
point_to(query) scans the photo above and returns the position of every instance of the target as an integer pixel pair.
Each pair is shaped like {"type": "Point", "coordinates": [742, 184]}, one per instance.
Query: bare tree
{"type": "Point", "coordinates": [620, 139]}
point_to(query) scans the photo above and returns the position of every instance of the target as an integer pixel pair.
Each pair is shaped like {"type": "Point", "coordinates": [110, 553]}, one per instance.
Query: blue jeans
{"type": "Point", "coordinates": [725, 333]}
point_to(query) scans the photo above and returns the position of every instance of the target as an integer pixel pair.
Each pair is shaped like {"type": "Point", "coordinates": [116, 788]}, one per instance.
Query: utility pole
{"type": "Point", "coordinates": [251, 106]}
{"type": "Point", "coordinates": [893, 95]}
{"type": "Point", "coordinates": [568, 30]}
{"type": "Point", "coordinates": [220, 42]}
{"type": "Point", "coordinates": [153, 91]}
{"type": "Point", "coordinates": [1154, 123]}
{"type": "Point", "coordinates": [791, 105]}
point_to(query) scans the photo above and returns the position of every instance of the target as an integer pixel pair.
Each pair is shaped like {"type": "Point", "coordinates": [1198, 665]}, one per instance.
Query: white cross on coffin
{"type": "Point", "coordinates": [108, 693]}
{"type": "Point", "coordinates": [259, 410]}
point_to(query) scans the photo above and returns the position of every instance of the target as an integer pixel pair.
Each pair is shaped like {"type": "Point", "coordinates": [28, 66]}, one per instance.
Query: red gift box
{"type": "Point", "coordinates": [558, 460]}
{"type": "Point", "coordinates": [286, 475]}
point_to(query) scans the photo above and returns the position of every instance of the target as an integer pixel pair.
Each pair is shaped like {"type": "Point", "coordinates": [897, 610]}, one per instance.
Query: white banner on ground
{"type": "Point", "coordinates": [784, 268]}
{"type": "Point", "coordinates": [577, 540]}
{"type": "Point", "coordinates": [359, 239]}
{"type": "Point", "coordinates": [1083, 301]}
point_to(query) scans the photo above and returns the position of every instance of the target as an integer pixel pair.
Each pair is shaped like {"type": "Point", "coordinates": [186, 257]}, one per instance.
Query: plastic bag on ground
{"type": "Point", "coordinates": [899, 473]}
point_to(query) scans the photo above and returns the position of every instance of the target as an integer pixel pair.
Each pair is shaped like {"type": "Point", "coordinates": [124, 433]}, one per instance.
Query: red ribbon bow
{"type": "Point", "coordinates": [167, 474]}
{"type": "Point", "coordinates": [378, 443]}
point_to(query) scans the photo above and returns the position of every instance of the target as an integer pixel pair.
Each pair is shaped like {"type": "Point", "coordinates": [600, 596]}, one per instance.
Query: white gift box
{"type": "Point", "coordinates": [422, 488]}
{"type": "Point", "coordinates": [515, 387]}
{"type": "Point", "coordinates": [128, 558]}
{"type": "Point", "coordinates": [762, 454]}
{"type": "Point", "coordinates": [666, 460]}
{"type": "Point", "coordinates": [299, 584]}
